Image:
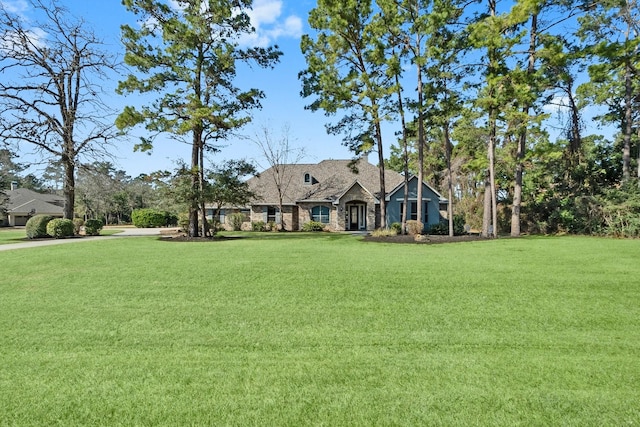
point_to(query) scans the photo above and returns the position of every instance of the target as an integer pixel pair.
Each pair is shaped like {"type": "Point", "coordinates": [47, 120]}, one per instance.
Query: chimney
{"type": "Point", "coordinates": [14, 185]}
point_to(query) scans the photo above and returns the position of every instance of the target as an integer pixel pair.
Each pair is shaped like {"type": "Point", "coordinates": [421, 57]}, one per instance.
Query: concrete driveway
{"type": "Point", "coordinates": [126, 232]}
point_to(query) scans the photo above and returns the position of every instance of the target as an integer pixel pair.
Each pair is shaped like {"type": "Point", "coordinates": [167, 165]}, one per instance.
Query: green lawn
{"type": "Point", "coordinates": [11, 235]}
{"type": "Point", "coordinates": [292, 329]}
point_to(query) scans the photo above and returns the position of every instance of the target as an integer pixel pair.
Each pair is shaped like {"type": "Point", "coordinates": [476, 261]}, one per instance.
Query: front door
{"type": "Point", "coordinates": [353, 217]}
{"type": "Point", "coordinates": [357, 217]}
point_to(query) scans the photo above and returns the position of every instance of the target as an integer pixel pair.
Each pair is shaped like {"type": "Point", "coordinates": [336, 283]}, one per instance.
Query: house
{"type": "Point", "coordinates": [24, 203]}
{"type": "Point", "coordinates": [335, 194]}
{"type": "Point", "coordinates": [434, 206]}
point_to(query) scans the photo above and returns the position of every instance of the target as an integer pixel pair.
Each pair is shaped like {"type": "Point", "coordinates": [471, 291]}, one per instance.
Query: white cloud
{"type": "Point", "coordinates": [14, 6]}
{"type": "Point", "coordinates": [13, 42]}
{"type": "Point", "coordinates": [557, 104]}
{"type": "Point", "coordinates": [266, 19]}
{"type": "Point", "coordinates": [265, 12]}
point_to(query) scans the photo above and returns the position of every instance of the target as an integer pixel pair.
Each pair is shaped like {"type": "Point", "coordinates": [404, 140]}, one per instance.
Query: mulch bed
{"type": "Point", "coordinates": [185, 238]}
{"type": "Point", "coordinates": [432, 239]}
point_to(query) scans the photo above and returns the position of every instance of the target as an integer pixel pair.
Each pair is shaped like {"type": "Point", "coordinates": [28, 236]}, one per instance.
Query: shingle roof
{"type": "Point", "coordinates": [330, 179]}
{"type": "Point", "coordinates": [23, 200]}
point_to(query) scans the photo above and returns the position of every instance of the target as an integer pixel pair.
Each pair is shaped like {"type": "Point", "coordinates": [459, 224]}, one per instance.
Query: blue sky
{"type": "Point", "coordinates": [280, 22]}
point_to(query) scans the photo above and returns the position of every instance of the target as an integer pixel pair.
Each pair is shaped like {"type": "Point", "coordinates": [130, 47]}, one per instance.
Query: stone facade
{"type": "Point", "coordinates": [348, 189]}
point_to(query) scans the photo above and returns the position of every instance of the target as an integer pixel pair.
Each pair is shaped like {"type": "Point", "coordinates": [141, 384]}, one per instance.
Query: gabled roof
{"type": "Point", "coordinates": [329, 180]}
{"type": "Point", "coordinates": [411, 178]}
{"type": "Point", "coordinates": [24, 201]}
{"type": "Point", "coordinates": [356, 182]}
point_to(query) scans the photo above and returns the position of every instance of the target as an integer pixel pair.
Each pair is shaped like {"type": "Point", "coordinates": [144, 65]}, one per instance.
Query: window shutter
{"type": "Point", "coordinates": [278, 216]}
{"type": "Point", "coordinates": [265, 211]}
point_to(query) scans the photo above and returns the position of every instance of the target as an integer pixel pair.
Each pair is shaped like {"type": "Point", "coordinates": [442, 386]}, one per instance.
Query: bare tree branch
{"type": "Point", "coordinates": [50, 92]}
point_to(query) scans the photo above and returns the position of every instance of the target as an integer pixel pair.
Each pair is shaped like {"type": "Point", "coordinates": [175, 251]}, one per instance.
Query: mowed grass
{"type": "Point", "coordinates": [323, 329]}
{"type": "Point", "coordinates": [12, 235]}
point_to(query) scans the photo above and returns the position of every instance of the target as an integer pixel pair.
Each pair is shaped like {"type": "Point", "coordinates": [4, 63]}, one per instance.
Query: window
{"type": "Point", "coordinates": [307, 179]}
{"type": "Point", "coordinates": [413, 211]}
{"type": "Point", "coordinates": [273, 214]}
{"type": "Point", "coordinates": [320, 214]}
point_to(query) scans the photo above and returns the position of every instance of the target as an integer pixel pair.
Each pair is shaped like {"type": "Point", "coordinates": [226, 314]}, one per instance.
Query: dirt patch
{"type": "Point", "coordinates": [423, 239]}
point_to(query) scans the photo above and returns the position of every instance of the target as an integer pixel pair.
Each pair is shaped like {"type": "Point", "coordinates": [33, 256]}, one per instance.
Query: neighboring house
{"type": "Point", "coordinates": [24, 203]}
{"type": "Point", "coordinates": [331, 193]}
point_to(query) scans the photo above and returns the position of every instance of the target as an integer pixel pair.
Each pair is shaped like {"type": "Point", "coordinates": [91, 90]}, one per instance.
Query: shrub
{"type": "Point", "coordinates": [170, 220]}
{"type": "Point", "coordinates": [148, 218]}
{"type": "Point", "coordinates": [37, 226]}
{"type": "Point", "coordinates": [397, 227]}
{"type": "Point", "coordinates": [92, 227]}
{"type": "Point", "coordinates": [439, 229]}
{"type": "Point", "coordinates": [620, 212]}
{"type": "Point", "coordinates": [271, 226]}
{"type": "Point", "coordinates": [60, 228]}
{"type": "Point", "coordinates": [313, 226]}
{"type": "Point", "coordinates": [458, 225]}
{"type": "Point", "coordinates": [77, 225]}
{"type": "Point", "coordinates": [258, 226]}
{"type": "Point", "coordinates": [214, 226]}
{"type": "Point", "coordinates": [183, 221]}
{"type": "Point", "coordinates": [385, 232]}
{"type": "Point", "coordinates": [414, 227]}
{"type": "Point", "coordinates": [442, 228]}
{"type": "Point", "coordinates": [236, 220]}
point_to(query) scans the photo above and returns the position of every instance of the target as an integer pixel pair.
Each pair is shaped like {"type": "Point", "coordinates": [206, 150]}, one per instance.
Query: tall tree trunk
{"type": "Point", "coordinates": [575, 143]}
{"type": "Point", "coordinates": [381, 168]}
{"type": "Point", "coordinates": [281, 209]}
{"type": "Point", "coordinates": [194, 203]}
{"type": "Point", "coordinates": [517, 187]}
{"type": "Point", "coordinates": [628, 121]}
{"type": "Point", "coordinates": [522, 139]}
{"type": "Point", "coordinates": [491, 146]}
{"type": "Point", "coordinates": [203, 211]}
{"type": "Point", "coordinates": [486, 216]}
{"type": "Point", "coordinates": [638, 161]}
{"type": "Point", "coordinates": [405, 158]}
{"type": "Point", "coordinates": [448, 147]}
{"type": "Point", "coordinates": [492, 172]}
{"type": "Point", "coordinates": [420, 146]}
{"type": "Point", "coordinates": [69, 187]}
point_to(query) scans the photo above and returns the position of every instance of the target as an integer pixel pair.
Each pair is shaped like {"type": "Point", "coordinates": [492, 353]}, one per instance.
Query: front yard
{"type": "Point", "coordinates": [321, 329]}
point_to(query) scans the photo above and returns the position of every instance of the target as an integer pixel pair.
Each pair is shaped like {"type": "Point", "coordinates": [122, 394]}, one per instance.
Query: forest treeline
{"type": "Point", "coordinates": [474, 91]}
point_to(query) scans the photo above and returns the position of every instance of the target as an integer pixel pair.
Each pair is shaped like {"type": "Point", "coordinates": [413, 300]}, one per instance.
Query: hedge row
{"type": "Point", "coordinates": [40, 226]}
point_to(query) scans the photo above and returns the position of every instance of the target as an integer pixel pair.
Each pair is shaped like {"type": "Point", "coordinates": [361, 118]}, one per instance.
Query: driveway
{"type": "Point", "coordinates": [133, 231]}
{"type": "Point", "coordinates": [126, 232]}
